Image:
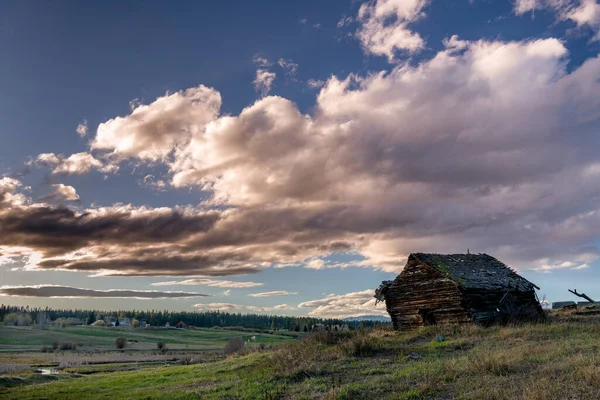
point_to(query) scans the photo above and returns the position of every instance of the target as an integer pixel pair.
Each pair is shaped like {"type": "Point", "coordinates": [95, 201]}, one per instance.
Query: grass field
{"type": "Point", "coordinates": [28, 339]}
{"type": "Point", "coordinates": [559, 359]}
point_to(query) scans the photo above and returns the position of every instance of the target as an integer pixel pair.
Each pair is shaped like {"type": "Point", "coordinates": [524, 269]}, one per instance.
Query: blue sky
{"type": "Point", "coordinates": [301, 151]}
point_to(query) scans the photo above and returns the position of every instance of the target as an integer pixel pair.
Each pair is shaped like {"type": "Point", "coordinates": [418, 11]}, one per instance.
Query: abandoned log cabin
{"type": "Point", "coordinates": [457, 288]}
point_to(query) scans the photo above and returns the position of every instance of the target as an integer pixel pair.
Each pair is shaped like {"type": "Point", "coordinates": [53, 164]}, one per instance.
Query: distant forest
{"type": "Point", "coordinates": [205, 319]}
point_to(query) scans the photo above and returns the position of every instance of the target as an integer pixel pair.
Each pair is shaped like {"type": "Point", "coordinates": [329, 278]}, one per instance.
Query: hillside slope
{"type": "Point", "coordinates": [555, 360]}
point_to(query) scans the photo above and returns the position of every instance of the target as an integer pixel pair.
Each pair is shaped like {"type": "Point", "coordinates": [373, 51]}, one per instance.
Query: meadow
{"type": "Point", "coordinates": [556, 359]}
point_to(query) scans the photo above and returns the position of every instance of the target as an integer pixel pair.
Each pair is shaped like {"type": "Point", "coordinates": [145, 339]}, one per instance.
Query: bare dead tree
{"type": "Point", "coordinates": [583, 295]}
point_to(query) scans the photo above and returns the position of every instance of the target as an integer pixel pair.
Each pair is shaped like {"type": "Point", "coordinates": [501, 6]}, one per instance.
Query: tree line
{"type": "Point", "coordinates": [201, 319]}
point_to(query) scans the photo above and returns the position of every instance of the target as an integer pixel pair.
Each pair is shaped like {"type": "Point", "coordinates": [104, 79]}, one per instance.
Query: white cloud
{"type": "Point", "coordinates": [209, 282]}
{"type": "Point", "coordinates": [75, 164]}
{"type": "Point", "coordinates": [225, 292]}
{"type": "Point", "coordinates": [274, 293]}
{"type": "Point", "coordinates": [150, 181]}
{"type": "Point", "coordinates": [316, 264]}
{"type": "Point", "coordinates": [261, 61]}
{"type": "Point", "coordinates": [488, 145]}
{"type": "Point", "coordinates": [582, 12]}
{"type": "Point", "coordinates": [9, 193]}
{"type": "Point", "coordinates": [315, 83]}
{"type": "Point", "coordinates": [582, 266]}
{"type": "Point", "coordinates": [587, 14]}
{"type": "Point", "coordinates": [82, 128]}
{"type": "Point", "coordinates": [264, 81]}
{"type": "Point", "coordinates": [346, 305]}
{"type": "Point", "coordinates": [344, 21]}
{"type": "Point", "coordinates": [218, 307]}
{"type": "Point", "coordinates": [277, 308]}
{"type": "Point", "coordinates": [151, 132]}
{"type": "Point", "coordinates": [384, 26]}
{"type": "Point", "coordinates": [289, 66]}
{"type": "Point", "coordinates": [64, 192]}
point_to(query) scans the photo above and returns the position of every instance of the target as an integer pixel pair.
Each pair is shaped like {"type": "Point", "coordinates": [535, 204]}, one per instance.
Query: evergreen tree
{"type": "Point", "coordinates": [91, 318]}
{"type": "Point", "coordinates": [117, 322]}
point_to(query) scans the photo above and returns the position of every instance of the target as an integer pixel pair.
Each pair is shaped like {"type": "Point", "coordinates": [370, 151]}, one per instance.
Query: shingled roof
{"type": "Point", "coordinates": [476, 271]}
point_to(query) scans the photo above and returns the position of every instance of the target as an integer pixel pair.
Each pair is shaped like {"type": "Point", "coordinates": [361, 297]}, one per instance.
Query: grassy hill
{"type": "Point", "coordinates": [554, 360]}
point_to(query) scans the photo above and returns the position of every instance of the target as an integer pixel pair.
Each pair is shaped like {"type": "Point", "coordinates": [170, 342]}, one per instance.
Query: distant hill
{"type": "Point", "coordinates": [378, 318]}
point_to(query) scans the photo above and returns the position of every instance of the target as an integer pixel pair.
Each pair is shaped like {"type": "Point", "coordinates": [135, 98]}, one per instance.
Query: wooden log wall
{"type": "Point", "coordinates": [420, 287]}
{"type": "Point", "coordinates": [486, 307]}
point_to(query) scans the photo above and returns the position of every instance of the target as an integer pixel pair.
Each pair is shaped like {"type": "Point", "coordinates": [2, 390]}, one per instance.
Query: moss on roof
{"type": "Point", "coordinates": [476, 271]}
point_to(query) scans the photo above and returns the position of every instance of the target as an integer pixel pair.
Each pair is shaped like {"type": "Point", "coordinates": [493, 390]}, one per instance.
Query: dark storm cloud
{"type": "Point", "coordinates": [72, 292]}
{"type": "Point", "coordinates": [59, 230]}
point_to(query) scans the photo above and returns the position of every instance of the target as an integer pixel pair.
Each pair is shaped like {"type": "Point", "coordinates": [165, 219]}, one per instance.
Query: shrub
{"type": "Point", "coordinates": [120, 343]}
{"type": "Point", "coordinates": [17, 319]}
{"type": "Point", "coordinates": [68, 346]}
{"type": "Point", "coordinates": [46, 349]}
{"type": "Point", "coordinates": [329, 338]}
{"type": "Point", "coordinates": [162, 346]}
{"type": "Point", "coordinates": [55, 345]}
{"type": "Point", "coordinates": [234, 345]}
{"type": "Point", "coordinates": [361, 345]}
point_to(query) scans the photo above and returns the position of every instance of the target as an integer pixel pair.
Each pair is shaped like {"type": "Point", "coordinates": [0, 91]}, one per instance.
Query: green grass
{"type": "Point", "coordinates": [210, 339]}
{"type": "Point", "coordinates": [556, 360]}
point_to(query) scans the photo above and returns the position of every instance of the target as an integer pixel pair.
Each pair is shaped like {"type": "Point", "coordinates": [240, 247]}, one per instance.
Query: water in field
{"type": "Point", "coordinates": [49, 371]}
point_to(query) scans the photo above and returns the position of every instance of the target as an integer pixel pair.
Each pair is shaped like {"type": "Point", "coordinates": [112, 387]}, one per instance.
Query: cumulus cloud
{"type": "Point", "coordinates": [264, 81]}
{"type": "Point", "coordinates": [75, 164]}
{"type": "Point", "coordinates": [585, 13]}
{"type": "Point", "coordinates": [52, 291]}
{"type": "Point", "coordinates": [487, 145]}
{"type": "Point", "coordinates": [218, 307]}
{"type": "Point", "coordinates": [316, 264]}
{"type": "Point", "coordinates": [62, 192]}
{"type": "Point", "coordinates": [273, 293]}
{"type": "Point", "coordinates": [346, 305]}
{"type": "Point", "coordinates": [9, 193]}
{"type": "Point", "coordinates": [82, 128]}
{"type": "Point", "coordinates": [385, 26]}
{"type": "Point", "coordinates": [209, 282]}
{"type": "Point", "coordinates": [152, 131]}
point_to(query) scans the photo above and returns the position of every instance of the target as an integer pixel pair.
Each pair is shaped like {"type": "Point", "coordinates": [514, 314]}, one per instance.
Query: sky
{"type": "Point", "coordinates": [286, 157]}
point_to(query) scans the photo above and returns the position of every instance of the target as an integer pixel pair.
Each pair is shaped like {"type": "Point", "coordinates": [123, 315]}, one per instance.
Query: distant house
{"type": "Point", "coordinates": [562, 304]}
{"type": "Point", "coordinates": [457, 288]}
{"type": "Point", "coordinates": [180, 325]}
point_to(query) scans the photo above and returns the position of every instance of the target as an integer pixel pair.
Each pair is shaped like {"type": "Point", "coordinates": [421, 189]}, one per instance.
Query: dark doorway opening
{"type": "Point", "coordinates": [427, 316]}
